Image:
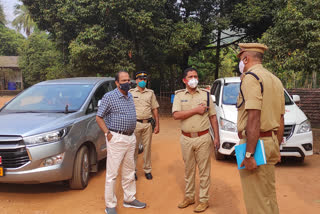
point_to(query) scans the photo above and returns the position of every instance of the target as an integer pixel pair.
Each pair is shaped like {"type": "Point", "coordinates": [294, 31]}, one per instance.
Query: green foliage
{"type": "Point", "coordinates": [2, 15]}
{"type": "Point", "coordinates": [10, 41]}
{"type": "Point", "coordinates": [23, 19]}
{"type": "Point", "coordinates": [294, 42]}
{"type": "Point", "coordinates": [39, 60]}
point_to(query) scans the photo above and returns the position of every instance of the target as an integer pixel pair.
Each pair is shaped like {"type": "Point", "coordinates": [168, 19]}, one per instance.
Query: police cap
{"type": "Point", "coordinates": [141, 74]}
{"type": "Point", "coordinates": [255, 47]}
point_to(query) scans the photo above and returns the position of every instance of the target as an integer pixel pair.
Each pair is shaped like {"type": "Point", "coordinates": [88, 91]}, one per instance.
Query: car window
{"type": "Point", "coordinates": [101, 91]}
{"type": "Point", "coordinates": [230, 93]}
{"type": "Point", "coordinates": [287, 99]}
{"type": "Point", "coordinates": [50, 98]}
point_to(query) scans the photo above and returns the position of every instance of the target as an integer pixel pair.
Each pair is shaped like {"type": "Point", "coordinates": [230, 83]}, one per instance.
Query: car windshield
{"type": "Point", "coordinates": [50, 98]}
{"type": "Point", "coordinates": [230, 93]}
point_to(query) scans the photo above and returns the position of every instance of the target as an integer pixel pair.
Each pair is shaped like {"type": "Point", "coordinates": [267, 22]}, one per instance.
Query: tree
{"type": "Point", "coordinates": [40, 60]}
{"type": "Point", "coordinates": [2, 16]}
{"type": "Point", "coordinates": [10, 41]}
{"type": "Point", "coordinates": [294, 43]}
{"type": "Point", "coordinates": [23, 19]}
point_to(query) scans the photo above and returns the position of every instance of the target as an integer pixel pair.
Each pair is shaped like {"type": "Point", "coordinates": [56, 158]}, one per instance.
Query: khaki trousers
{"type": "Point", "coordinates": [120, 149]}
{"type": "Point", "coordinates": [258, 186]}
{"type": "Point", "coordinates": [143, 134]}
{"type": "Point", "coordinates": [196, 151]}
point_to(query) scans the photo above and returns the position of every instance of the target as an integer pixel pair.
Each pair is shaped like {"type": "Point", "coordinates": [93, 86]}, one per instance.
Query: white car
{"type": "Point", "coordinates": [297, 131]}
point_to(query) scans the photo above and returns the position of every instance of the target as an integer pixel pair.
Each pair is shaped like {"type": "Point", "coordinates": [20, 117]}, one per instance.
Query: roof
{"type": "Point", "coordinates": [9, 62]}
{"type": "Point", "coordinates": [77, 80]}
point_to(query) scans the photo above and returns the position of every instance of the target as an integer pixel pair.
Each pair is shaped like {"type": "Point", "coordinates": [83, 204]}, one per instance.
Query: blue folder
{"type": "Point", "coordinates": [259, 154]}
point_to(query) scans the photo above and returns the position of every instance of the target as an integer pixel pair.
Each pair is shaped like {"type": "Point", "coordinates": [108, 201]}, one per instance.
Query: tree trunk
{"type": "Point", "coordinates": [216, 75]}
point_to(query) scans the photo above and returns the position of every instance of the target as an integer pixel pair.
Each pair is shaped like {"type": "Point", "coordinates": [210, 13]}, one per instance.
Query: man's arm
{"type": "Point", "coordinates": [182, 115]}
{"type": "Point", "coordinates": [156, 117]}
{"type": "Point", "coordinates": [280, 130]}
{"type": "Point", "coordinates": [214, 125]}
{"type": "Point", "coordinates": [253, 134]}
{"type": "Point", "coordinates": [103, 127]}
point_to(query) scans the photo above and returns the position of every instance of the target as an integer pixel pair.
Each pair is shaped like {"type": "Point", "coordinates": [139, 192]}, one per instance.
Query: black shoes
{"type": "Point", "coordinates": [148, 176]}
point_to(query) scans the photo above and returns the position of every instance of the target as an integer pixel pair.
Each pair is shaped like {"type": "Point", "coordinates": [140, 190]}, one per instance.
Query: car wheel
{"type": "Point", "coordinates": [81, 169]}
{"type": "Point", "coordinates": [218, 155]}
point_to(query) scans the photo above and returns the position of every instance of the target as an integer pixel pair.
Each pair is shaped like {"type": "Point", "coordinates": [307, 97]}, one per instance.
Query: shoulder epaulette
{"type": "Point", "coordinates": [178, 91]}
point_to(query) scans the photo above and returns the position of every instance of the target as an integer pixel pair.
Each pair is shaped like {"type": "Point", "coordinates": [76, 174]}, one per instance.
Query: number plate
{"type": "Point", "coordinates": [1, 171]}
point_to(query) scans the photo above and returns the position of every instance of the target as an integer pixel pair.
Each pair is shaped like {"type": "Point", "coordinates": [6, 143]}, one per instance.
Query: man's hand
{"type": "Point", "coordinates": [201, 109]}
{"type": "Point", "coordinates": [216, 143]}
{"type": "Point", "coordinates": [156, 129]}
{"type": "Point", "coordinates": [249, 163]}
{"type": "Point", "coordinates": [109, 136]}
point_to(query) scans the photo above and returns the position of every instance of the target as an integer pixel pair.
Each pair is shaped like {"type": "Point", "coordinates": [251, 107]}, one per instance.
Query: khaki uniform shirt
{"type": "Point", "coordinates": [270, 102]}
{"type": "Point", "coordinates": [144, 102]}
{"type": "Point", "coordinates": [183, 101]}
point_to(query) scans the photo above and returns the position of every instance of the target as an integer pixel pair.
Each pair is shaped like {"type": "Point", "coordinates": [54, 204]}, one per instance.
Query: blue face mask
{"type": "Point", "coordinates": [142, 84]}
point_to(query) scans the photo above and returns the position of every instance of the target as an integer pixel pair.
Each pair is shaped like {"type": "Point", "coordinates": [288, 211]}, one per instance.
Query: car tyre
{"type": "Point", "coordinates": [81, 169]}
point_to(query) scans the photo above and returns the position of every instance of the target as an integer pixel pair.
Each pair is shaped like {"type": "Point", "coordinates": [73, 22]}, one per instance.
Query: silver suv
{"type": "Point", "coordinates": [49, 132]}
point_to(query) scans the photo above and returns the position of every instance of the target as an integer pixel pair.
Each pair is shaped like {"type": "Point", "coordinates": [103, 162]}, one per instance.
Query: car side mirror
{"type": "Point", "coordinates": [296, 98]}
{"type": "Point", "coordinates": [213, 98]}
{"type": "Point", "coordinates": [99, 102]}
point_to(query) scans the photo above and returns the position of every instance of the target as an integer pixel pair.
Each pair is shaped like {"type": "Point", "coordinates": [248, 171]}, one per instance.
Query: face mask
{"type": "Point", "coordinates": [125, 86]}
{"type": "Point", "coordinates": [241, 66]}
{"type": "Point", "coordinates": [142, 84]}
{"type": "Point", "coordinates": [193, 83]}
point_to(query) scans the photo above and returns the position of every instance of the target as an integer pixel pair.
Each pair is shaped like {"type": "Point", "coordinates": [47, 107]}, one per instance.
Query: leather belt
{"type": "Point", "coordinates": [145, 121]}
{"type": "Point", "coordinates": [262, 134]}
{"type": "Point", "coordinates": [195, 134]}
{"type": "Point", "coordinates": [122, 132]}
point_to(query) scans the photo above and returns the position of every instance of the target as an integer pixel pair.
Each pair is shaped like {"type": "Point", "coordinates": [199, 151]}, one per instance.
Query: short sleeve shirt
{"type": "Point", "coordinates": [118, 111]}
{"type": "Point", "coordinates": [144, 102]}
{"type": "Point", "coordinates": [270, 101]}
{"type": "Point", "coordinates": [183, 101]}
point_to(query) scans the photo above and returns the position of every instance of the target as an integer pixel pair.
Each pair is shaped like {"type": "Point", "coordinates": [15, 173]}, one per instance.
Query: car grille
{"type": "Point", "coordinates": [13, 152]}
{"type": "Point", "coordinates": [288, 131]}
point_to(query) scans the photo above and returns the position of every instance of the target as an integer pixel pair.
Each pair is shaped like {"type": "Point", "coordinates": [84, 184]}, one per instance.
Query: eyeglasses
{"type": "Point", "coordinates": [142, 78]}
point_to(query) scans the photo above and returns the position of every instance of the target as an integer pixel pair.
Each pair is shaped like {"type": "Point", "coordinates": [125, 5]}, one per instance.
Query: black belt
{"type": "Point", "coordinates": [145, 121]}
{"type": "Point", "coordinates": [122, 132]}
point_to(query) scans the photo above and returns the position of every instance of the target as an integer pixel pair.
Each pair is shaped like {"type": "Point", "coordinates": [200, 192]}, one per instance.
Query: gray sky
{"type": "Point", "coordinates": [8, 8]}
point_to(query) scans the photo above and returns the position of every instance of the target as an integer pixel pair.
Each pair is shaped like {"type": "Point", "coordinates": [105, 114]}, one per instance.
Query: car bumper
{"type": "Point", "coordinates": [33, 172]}
{"type": "Point", "coordinates": [298, 145]}
{"type": "Point", "coordinates": [228, 140]}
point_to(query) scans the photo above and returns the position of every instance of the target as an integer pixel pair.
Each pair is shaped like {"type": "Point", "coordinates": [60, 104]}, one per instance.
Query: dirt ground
{"type": "Point", "coordinates": [298, 186]}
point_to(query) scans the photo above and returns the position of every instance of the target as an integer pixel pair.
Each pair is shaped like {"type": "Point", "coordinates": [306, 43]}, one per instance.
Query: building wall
{"type": "Point", "coordinates": [309, 103]}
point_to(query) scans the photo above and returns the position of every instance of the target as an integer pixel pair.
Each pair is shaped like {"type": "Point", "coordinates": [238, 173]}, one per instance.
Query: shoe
{"type": "Point", "coordinates": [201, 207]}
{"type": "Point", "coordinates": [110, 210]}
{"type": "Point", "coordinates": [186, 202]}
{"type": "Point", "coordinates": [148, 176]}
{"type": "Point", "coordinates": [135, 176]}
{"type": "Point", "coordinates": [135, 204]}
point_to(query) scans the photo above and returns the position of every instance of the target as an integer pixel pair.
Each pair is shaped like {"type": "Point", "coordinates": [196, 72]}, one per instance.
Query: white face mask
{"type": "Point", "coordinates": [193, 83]}
{"type": "Point", "coordinates": [241, 66]}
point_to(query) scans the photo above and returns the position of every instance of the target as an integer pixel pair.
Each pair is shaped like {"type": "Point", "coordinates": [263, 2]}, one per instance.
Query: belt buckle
{"type": "Point", "coordinates": [194, 134]}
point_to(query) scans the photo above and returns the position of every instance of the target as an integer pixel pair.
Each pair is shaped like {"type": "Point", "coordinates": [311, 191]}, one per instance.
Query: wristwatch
{"type": "Point", "coordinates": [249, 154]}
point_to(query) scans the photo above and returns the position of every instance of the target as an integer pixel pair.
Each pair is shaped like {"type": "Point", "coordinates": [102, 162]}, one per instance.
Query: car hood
{"type": "Point", "coordinates": [230, 112]}
{"type": "Point", "coordinates": [294, 115]}
{"type": "Point", "coordinates": [26, 124]}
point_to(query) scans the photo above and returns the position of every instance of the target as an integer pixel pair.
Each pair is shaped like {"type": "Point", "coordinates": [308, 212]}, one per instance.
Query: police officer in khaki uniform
{"type": "Point", "coordinates": [195, 109]}
{"type": "Point", "coordinates": [260, 116]}
{"type": "Point", "coordinates": [146, 105]}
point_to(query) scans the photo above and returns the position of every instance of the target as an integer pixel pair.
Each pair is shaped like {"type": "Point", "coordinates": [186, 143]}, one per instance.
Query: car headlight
{"type": "Point", "coordinates": [48, 137]}
{"type": "Point", "coordinates": [227, 125]}
{"type": "Point", "coordinates": [305, 126]}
